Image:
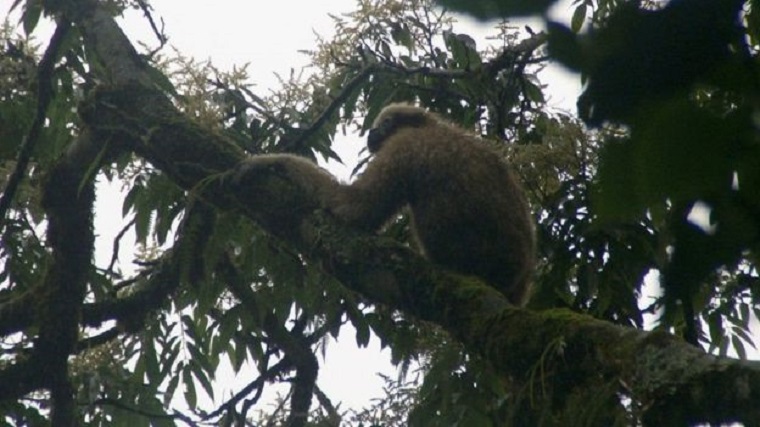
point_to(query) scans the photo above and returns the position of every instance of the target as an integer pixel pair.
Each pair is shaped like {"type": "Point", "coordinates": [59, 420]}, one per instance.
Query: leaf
{"type": "Point", "coordinates": [31, 15]}
{"type": "Point", "coordinates": [615, 195]}
{"type": "Point", "coordinates": [14, 5]}
{"type": "Point", "coordinates": [239, 356]}
{"type": "Point", "coordinates": [160, 79]}
{"type": "Point", "coordinates": [143, 219]}
{"type": "Point", "coordinates": [200, 374]}
{"type": "Point", "coordinates": [169, 357]}
{"type": "Point", "coordinates": [715, 326]}
{"type": "Point", "coordinates": [170, 389]}
{"type": "Point", "coordinates": [564, 46]}
{"type": "Point", "coordinates": [385, 49]}
{"type": "Point", "coordinates": [362, 333]}
{"type": "Point", "coordinates": [738, 345]}
{"type": "Point", "coordinates": [665, 140]}
{"type": "Point", "coordinates": [744, 334]}
{"type": "Point", "coordinates": [753, 21]}
{"type": "Point", "coordinates": [579, 16]}
{"type": "Point", "coordinates": [533, 92]}
{"type": "Point", "coordinates": [130, 198]}
{"type": "Point", "coordinates": [462, 48]}
{"type": "Point", "coordinates": [152, 371]}
{"type": "Point", "coordinates": [493, 9]}
{"type": "Point", "coordinates": [190, 396]}
{"type": "Point", "coordinates": [660, 163]}
{"type": "Point", "coordinates": [401, 35]}
{"type": "Point", "coordinates": [200, 357]}
{"type": "Point", "coordinates": [229, 323]}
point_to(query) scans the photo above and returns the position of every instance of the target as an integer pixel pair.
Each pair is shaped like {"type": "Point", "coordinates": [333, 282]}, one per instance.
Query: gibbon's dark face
{"type": "Point", "coordinates": [391, 123]}
{"type": "Point", "coordinates": [375, 139]}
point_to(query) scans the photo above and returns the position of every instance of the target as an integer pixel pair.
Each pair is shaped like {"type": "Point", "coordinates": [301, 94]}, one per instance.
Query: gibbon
{"type": "Point", "coordinates": [468, 212]}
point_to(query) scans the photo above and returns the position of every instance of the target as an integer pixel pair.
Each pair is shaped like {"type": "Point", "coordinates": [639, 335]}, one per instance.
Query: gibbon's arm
{"type": "Point", "coordinates": [378, 193]}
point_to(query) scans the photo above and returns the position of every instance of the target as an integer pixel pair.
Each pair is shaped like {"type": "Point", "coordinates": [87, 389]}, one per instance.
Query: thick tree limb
{"type": "Point", "coordinates": [68, 198]}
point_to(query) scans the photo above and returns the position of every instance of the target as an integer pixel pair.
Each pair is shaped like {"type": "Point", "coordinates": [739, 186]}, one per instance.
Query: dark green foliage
{"type": "Point", "coordinates": [641, 57]}
{"type": "Point", "coordinates": [491, 9]}
{"type": "Point", "coordinates": [679, 79]}
{"type": "Point", "coordinates": [679, 152]}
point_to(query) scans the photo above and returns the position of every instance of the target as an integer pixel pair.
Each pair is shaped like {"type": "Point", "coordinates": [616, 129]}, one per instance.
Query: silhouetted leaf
{"type": "Point", "coordinates": [579, 16]}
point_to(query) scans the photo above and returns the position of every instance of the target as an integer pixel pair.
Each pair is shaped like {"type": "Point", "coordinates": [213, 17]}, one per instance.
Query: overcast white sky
{"type": "Point", "coordinates": [268, 35]}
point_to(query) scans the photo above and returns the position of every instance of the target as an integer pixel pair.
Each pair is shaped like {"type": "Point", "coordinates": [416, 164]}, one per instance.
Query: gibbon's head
{"type": "Point", "coordinates": [392, 118]}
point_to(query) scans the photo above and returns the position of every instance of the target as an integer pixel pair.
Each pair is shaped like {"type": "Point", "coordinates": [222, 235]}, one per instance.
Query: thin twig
{"type": "Point", "coordinates": [116, 244]}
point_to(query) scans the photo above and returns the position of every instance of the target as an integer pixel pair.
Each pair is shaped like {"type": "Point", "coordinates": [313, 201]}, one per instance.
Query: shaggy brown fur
{"type": "Point", "coordinates": [468, 211]}
{"type": "Point", "coordinates": [317, 182]}
{"type": "Point", "coordinates": [283, 215]}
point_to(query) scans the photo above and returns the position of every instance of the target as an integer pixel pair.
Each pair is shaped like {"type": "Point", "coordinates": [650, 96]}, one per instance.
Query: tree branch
{"type": "Point", "coordinates": [68, 196]}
